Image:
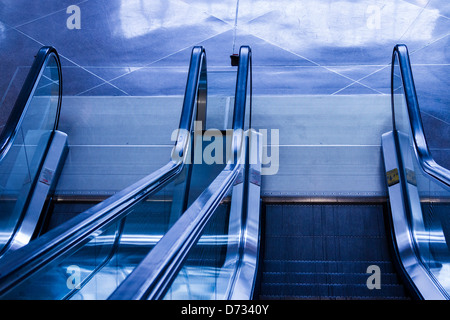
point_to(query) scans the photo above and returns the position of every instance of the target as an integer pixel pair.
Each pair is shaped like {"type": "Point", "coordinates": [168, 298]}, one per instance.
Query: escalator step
{"type": "Point", "coordinates": [325, 277]}
{"type": "Point", "coordinates": [333, 291]}
{"type": "Point", "coordinates": [332, 266]}
{"type": "Point", "coordinates": [320, 247]}
{"type": "Point", "coordinates": [324, 251]}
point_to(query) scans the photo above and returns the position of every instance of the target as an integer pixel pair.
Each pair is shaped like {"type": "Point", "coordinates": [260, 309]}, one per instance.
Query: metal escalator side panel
{"type": "Point", "coordinates": [156, 273]}
{"type": "Point", "coordinates": [48, 177]}
{"type": "Point", "coordinates": [25, 143]}
{"type": "Point", "coordinates": [222, 264]}
{"type": "Point", "coordinates": [414, 179]}
{"type": "Point", "coordinates": [71, 240]}
{"type": "Point", "coordinates": [46, 61]}
{"type": "Point", "coordinates": [402, 83]}
{"type": "Point", "coordinates": [243, 286]}
{"type": "Point", "coordinates": [416, 275]}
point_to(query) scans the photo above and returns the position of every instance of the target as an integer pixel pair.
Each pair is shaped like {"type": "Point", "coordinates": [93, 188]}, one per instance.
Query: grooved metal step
{"type": "Point", "coordinates": [333, 266]}
{"type": "Point", "coordinates": [327, 251]}
{"type": "Point", "coordinates": [325, 278]}
{"type": "Point", "coordinates": [333, 290]}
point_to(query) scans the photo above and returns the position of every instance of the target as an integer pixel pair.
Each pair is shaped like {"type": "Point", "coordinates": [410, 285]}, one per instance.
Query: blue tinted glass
{"type": "Point", "coordinates": [18, 169]}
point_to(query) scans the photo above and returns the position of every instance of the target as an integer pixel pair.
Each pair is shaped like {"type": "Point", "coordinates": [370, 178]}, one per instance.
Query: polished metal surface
{"type": "Point", "coordinates": [417, 275]}
{"type": "Point", "coordinates": [48, 177]}
{"type": "Point", "coordinates": [153, 276]}
{"type": "Point", "coordinates": [319, 47]}
{"type": "Point", "coordinates": [329, 48]}
{"type": "Point", "coordinates": [424, 156]}
{"type": "Point", "coordinates": [244, 282]}
{"type": "Point", "coordinates": [227, 269]}
{"type": "Point", "coordinates": [44, 57]}
{"type": "Point", "coordinates": [62, 241]}
{"type": "Point", "coordinates": [104, 160]}
{"type": "Point", "coordinates": [420, 234]}
{"type": "Point", "coordinates": [28, 144]}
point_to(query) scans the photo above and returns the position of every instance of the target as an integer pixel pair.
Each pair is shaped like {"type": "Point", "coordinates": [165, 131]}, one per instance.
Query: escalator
{"type": "Point", "coordinates": [227, 243]}
{"type": "Point", "coordinates": [345, 248]}
{"type": "Point", "coordinates": [419, 191]}
{"type": "Point", "coordinates": [211, 252]}
{"type": "Point", "coordinates": [360, 248]}
{"type": "Point", "coordinates": [88, 256]}
{"type": "Point", "coordinates": [336, 249]}
{"type": "Point", "coordinates": [367, 249]}
{"type": "Point", "coordinates": [32, 153]}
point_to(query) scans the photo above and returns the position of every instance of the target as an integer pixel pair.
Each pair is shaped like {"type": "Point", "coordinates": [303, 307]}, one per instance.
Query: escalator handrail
{"type": "Point", "coordinates": [152, 277]}
{"type": "Point", "coordinates": [8, 134]}
{"type": "Point", "coordinates": [422, 152]}
{"type": "Point", "coordinates": [18, 265]}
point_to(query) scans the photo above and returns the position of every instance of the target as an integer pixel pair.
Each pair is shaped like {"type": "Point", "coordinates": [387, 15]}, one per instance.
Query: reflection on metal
{"type": "Point", "coordinates": [255, 176]}
{"type": "Point", "coordinates": [31, 151]}
{"type": "Point", "coordinates": [416, 274]}
{"type": "Point", "coordinates": [70, 240]}
{"type": "Point", "coordinates": [46, 56]}
{"type": "Point", "coordinates": [153, 276]}
{"type": "Point", "coordinates": [400, 59]}
{"type": "Point", "coordinates": [411, 177]}
{"type": "Point", "coordinates": [202, 93]}
{"type": "Point", "coordinates": [54, 161]}
{"type": "Point", "coordinates": [246, 271]}
{"type": "Point", "coordinates": [420, 241]}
